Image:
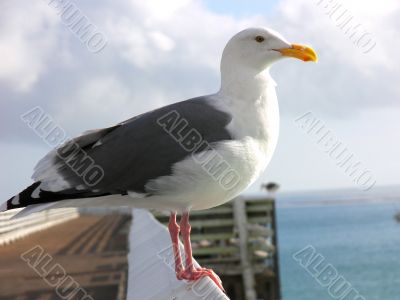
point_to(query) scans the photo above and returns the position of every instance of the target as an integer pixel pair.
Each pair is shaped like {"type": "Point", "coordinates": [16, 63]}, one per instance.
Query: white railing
{"type": "Point", "coordinates": [151, 265]}
{"type": "Point", "coordinates": [13, 229]}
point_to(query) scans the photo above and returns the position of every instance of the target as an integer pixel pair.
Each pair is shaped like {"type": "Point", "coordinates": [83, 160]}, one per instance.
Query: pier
{"type": "Point", "coordinates": [238, 240]}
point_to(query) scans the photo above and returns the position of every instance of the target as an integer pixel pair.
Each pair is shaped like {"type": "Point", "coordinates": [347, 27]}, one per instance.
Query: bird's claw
{"type": "Point", "coordinates": [193, 274]}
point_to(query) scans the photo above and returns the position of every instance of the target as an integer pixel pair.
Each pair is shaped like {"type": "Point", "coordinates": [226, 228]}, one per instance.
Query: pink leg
{"type": "Point", "coordinates": [173, 228]}
{"type": "Point", "coordinates": [186, 229]}
{"type": "Point", "coordinates": [191, 273]}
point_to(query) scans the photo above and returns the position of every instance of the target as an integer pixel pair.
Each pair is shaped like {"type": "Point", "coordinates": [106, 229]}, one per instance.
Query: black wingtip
{"type": "Point", "coordinates": [23, 199]}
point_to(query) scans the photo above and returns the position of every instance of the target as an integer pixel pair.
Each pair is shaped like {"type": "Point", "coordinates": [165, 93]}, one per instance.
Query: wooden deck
{"type": "Point", "coordinates": [91, 249]}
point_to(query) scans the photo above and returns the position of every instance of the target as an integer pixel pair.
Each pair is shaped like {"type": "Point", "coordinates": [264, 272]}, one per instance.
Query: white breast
{"type": "Point", "coordinates": [255, 125]}
{"type": "Point", "coordinates": [201, 182]}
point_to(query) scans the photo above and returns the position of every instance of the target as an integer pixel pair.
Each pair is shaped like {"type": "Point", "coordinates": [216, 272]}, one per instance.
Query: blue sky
{"type": "Point", "coordinates": [160, 52]}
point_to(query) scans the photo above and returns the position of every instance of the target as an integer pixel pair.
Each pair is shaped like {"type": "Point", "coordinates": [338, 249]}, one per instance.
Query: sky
{"type": "Point", "coordinates": [160, 52]}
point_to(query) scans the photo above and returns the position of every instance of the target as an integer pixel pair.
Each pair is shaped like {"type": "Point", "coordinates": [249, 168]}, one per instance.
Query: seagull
{"type": "Point", "coordinates": [270, 187]}
{"type": "Point", "coordinates": [190, 155]}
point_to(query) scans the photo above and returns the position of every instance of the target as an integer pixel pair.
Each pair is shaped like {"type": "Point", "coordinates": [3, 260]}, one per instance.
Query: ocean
{"type": "Point", "coordinates": [355, 232]}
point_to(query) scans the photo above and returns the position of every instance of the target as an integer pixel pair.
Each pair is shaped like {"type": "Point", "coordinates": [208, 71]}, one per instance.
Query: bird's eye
{"type": "Point", "coordinates": [260, 39]}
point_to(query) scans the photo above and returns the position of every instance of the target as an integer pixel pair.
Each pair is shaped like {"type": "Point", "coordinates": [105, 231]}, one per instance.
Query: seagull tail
{"type": "Point", "coordinates": [34, 196]}
{"type": "Point", "coordinates": [22, 199]}
{"type": "Point", "coordinates": [33, 200]}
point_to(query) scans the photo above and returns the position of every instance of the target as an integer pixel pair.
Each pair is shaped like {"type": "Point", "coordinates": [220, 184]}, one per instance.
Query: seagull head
{"type": "Point", "coordinates": [257, 48]}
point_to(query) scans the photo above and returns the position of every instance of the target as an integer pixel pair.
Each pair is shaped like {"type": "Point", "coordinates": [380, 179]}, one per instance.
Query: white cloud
{"type": "Point", "coordinates": [345, 81]}
{"type": "Point", "coordinates": [27, 39]}
{"type": "Point", "coordinates": [162, 41]}
{"type": "Point", "coordinates": [99, 101]}
{"type": "Point", "coordinates": [157, 53]}
{"type": "Point", "coordinates": [160, 52]}
{"type": "Point", "coordinates": [183, 36]}
{"type": "Point", "coordinates": [159, 10]}
{"type": "Point", "coordinates": [149, 35]}
{"type": "Point", "coordinates": [313, 19]}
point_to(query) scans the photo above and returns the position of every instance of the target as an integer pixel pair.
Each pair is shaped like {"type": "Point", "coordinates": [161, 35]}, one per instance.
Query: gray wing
{"type": "Point", "coordinates": [127, 156]}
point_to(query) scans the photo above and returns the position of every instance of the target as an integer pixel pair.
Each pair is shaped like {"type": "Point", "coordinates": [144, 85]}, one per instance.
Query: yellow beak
{"type": "Point", "coordinates": [299, 51]}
